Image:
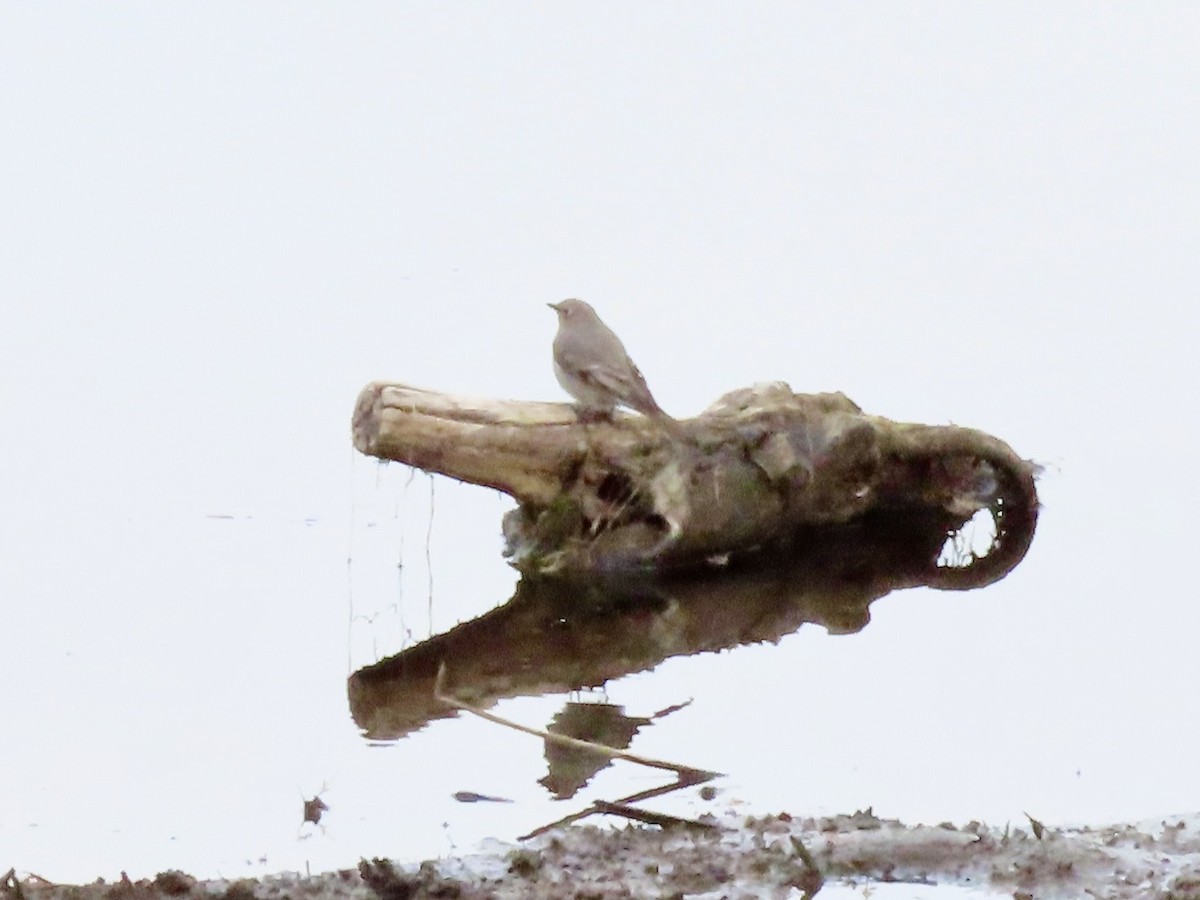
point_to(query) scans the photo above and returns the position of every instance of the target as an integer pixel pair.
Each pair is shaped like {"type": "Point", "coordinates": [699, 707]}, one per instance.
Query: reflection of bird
{"type": "Point", "coordinates": [592, 366]}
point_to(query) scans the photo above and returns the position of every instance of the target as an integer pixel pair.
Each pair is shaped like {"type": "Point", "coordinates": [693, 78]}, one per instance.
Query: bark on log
{"type": "Point", "coordinates": [759, 465]}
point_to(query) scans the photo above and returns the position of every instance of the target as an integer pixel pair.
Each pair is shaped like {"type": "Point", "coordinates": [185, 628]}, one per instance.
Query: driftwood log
{"type": "Point", "coordinates": [756, 472]}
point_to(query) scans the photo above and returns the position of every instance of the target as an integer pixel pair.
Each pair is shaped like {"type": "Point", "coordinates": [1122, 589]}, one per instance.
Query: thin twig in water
{"type": "Point", "coordinates": [645, 815]}
{"type": "Point", "coordinates": [685, 776]}
{"type": "Point", "coordinates": [562, 739]}
{"type": "Point", "coordinates": [429, 555]}
{"type": "Point", "coordinates": [685, 780]}
{"type": "Point", "coordinates": [663, 713]}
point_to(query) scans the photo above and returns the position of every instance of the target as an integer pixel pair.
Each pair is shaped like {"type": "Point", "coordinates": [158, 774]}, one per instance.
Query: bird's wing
{"type": "Point", "coordinates": [616, 382]}
{"type": "Point", "coordinates": [626, 384]}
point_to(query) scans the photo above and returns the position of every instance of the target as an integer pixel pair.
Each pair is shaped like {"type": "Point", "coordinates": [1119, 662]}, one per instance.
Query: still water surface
{"type": "Point", "coordinates": [177, 687]}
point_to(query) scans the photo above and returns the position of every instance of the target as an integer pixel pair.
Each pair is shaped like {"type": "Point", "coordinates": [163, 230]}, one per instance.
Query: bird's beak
{"type": "Point", "coordinates": [554, 306]}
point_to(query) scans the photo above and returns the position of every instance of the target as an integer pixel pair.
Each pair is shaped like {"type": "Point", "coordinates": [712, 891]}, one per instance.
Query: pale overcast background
{"type": "Point", "coordinates": [218, 221]}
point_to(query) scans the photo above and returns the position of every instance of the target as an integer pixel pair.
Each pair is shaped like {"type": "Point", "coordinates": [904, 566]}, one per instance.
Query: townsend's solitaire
{"type": "Point", "coordinates": [592, 366]}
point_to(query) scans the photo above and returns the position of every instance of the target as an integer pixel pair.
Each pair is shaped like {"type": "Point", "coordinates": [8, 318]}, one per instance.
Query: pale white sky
{"type": "Point", "coordinates": [218, 221]}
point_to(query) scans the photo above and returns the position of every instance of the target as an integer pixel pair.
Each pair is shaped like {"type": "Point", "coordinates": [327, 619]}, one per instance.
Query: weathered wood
{"type": "Point", "coordinates": [756, 466]}
{"type": "Point", "coordinates": [515, 447]}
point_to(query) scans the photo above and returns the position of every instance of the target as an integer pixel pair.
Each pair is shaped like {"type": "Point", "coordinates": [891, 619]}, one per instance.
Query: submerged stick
{"type": "Point", "coordinates": [683, 781]}
{"type": "Point", "coordinates": [650, 818]}
{"type": "Point", "coordinates": [564, 740]}
{"type": "Point", "coordinates": [685, 776]}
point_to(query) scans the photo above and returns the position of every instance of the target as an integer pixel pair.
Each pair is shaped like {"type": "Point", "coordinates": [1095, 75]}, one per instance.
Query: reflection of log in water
{"type": "Point", "coordinates": [559, 635]}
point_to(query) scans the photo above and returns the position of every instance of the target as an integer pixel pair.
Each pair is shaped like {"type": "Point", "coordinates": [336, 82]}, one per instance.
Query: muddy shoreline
{"type": "Point", "coordinates": [733, 857]}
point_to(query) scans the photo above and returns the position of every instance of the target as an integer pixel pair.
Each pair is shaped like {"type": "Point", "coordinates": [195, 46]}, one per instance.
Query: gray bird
{"type": "Point", "coordinates": [592, 366]}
